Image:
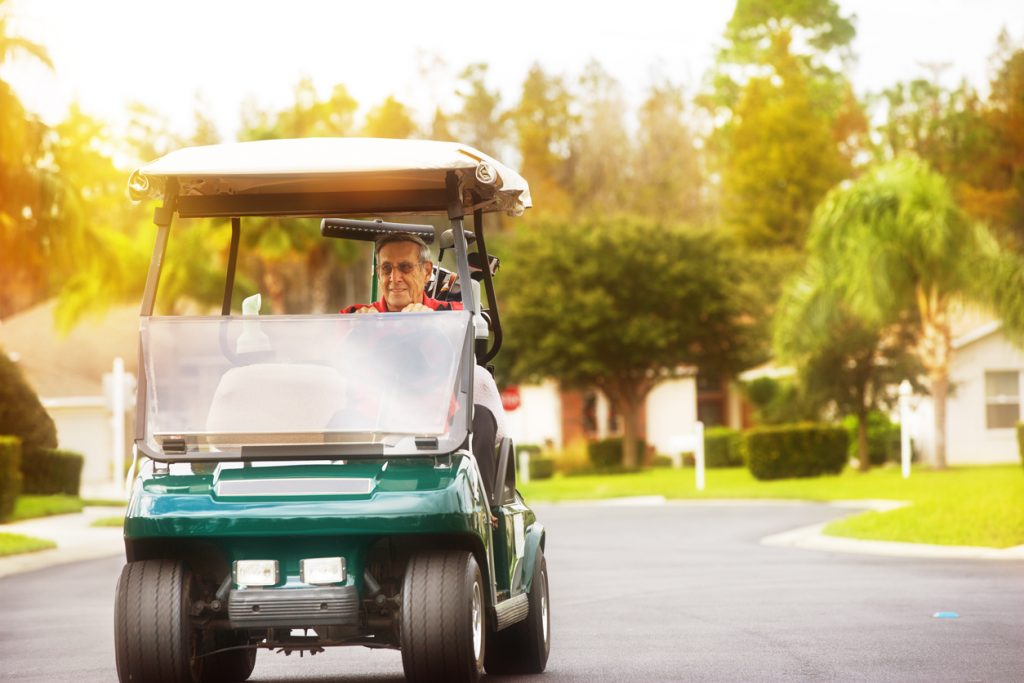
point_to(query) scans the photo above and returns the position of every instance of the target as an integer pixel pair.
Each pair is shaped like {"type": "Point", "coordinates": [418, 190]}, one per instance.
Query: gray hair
{"type": "Point", "coordinates": [393, 237]}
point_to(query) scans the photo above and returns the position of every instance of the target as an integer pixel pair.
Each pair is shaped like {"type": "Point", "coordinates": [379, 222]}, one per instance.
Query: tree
{"type": "Point", "coordinates": [543, 123]}
{"type": "Point", "coordinates": [896, 241]}
{"type": "Point", "coordinates": [390, 119]}
{"type": "Point", "coordinates": [25, 187]}
{"type": "Point", "coordinates": [21, 413]}
{"type": "Point", "coordinates": [841, 360]}
{"type": "Point", "coordinates": [669, 182]}
{"type": "Point", "coordinates": [601, 149]}
{"type": "Point", "coordinates": [480, 122]}
{"type": "Point", "coordinates": [619, 304]}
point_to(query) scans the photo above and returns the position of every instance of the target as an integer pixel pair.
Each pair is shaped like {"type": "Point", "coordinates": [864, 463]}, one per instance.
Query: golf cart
{"type": "Point", "coordinates": [310, 481]}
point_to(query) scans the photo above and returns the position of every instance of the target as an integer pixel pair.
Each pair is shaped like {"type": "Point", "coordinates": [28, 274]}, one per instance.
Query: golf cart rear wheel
{"type": "Point", "coordinates": [230, 666]}
{"type": "Point", "coordinates": [443, 623]}
{"type": "Point", "coordinates": [153, 635]}
{"type": "Point", "coordinates": [523, 648]}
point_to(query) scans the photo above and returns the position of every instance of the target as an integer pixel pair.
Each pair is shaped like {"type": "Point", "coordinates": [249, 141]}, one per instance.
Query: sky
{"type": "Point", "coordinates": [222, 53]}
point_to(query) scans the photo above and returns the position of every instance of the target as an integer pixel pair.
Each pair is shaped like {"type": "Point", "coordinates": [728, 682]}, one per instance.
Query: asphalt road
{"type": "Point", "coordinates": [667, 593]}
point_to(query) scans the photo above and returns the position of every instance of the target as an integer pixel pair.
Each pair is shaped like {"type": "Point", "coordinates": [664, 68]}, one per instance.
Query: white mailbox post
{"type": "Point", "coordinates": [905, 391]}
{"type": "Point", "coordinates": [691, 443]}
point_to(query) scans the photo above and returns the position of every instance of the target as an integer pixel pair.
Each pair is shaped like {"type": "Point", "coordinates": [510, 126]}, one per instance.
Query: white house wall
{"type": "Point", "coordinates": [967, 438]}
{"type": "Point", "coordinates": [539, 416]}
{"type": "Point", "coordinates": [83, 426]}
{"type": "Point", "coordinates": [671, 411]}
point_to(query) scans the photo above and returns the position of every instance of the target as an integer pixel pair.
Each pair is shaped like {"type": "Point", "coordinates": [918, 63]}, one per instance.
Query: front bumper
{"type": "Point", "coordinates": [293, 607]}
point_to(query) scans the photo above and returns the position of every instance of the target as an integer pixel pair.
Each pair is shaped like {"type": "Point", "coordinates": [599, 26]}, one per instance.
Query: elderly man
{"type": "Point", "coordinates": [404, 266]}
{"type": "Point", "coordinates": [403, 270]}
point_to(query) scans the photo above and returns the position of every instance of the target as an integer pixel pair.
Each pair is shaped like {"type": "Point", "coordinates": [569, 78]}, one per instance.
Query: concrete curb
{"type": "Point", "coordinates": [76, 540]}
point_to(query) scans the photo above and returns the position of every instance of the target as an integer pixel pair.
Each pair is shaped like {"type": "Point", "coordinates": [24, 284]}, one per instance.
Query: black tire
{"type": "Point", "coordinates": [153, 636]}
{"type": "Point", "coordinates": [443, 628]}
{"type": "Point", "coordinates": [233, 666]}
{"type": "Point", "coordinates": [523, 648]}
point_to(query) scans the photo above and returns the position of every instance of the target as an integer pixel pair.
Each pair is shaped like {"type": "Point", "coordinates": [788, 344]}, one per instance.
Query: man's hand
{"type": "Point", "coordinates": [367, 309]}
{"type": "Point", "coordinates": [415, 308]}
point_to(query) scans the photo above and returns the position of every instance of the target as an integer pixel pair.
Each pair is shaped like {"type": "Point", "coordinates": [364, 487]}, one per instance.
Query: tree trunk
{"type": "Point", "coordinates": [863, 456]}
{"type": "Point", "coordinates": [273, 280]}
{"type": "Point", "coordinates": [940, 387]}
{"type": "Point", "coordinates": [318, 267]}
{"type": "Point", "coordinates": [630, 457]}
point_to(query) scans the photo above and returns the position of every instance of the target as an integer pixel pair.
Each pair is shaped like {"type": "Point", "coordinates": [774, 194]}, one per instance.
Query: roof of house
{"type": "Point", "coordinates": [71, 365]}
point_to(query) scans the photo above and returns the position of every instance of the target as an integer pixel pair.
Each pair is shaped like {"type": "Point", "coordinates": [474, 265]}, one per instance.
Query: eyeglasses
{"type": "Point", "coordinates": [405, 267]}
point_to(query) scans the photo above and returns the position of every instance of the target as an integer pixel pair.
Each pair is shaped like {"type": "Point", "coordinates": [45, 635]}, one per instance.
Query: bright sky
{"type": "Point", "coordinates": [110, 52]}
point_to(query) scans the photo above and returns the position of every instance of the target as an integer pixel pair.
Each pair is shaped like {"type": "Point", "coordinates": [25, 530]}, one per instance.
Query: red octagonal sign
{"type": "Point", "coordinates": [510, 398]}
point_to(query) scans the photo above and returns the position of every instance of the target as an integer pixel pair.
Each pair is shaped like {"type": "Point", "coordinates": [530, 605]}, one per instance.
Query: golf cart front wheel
{"type": "Point", "coordinates": [443, 623]}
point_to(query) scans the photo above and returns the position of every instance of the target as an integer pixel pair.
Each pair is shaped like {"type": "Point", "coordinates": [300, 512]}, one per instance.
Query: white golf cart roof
{"type": "Point", "coordinates": [329, 176]}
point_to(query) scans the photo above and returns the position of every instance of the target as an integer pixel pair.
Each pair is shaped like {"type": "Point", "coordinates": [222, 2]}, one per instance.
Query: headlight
{"type": "Point", "coordinates": [321, 570]}
{"type": "Point", "coordinates": [256, 572]}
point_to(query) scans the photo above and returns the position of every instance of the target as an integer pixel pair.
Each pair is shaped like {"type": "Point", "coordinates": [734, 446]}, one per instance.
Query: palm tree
{"type": "Point", "coordinates": [897, 245]}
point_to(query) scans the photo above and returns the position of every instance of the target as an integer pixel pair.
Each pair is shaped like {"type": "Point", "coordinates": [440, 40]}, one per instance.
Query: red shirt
{"type": "Point", "coordinates": [432, 304]}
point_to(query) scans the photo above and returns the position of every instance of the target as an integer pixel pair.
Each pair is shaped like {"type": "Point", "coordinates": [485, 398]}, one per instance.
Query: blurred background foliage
{"type": "Point", "coordinates": [768, 189]}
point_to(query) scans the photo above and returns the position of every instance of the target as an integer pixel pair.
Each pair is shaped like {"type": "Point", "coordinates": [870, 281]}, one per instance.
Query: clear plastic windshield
{"type": "Point", "coordinates": [223, 383]}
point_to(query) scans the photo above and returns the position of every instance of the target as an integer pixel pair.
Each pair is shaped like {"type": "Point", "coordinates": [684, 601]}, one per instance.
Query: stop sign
{"type": "Point", "coordinates": [510, 398]}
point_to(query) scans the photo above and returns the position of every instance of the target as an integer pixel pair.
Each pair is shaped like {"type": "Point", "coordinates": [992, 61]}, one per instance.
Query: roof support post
{"type": "Point", "coordinates": [229, 283]}
{"type": "Point", "coordinates": [162, 217]}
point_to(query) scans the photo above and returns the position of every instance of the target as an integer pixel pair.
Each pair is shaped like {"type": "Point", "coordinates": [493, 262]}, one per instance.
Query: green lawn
{"type": "Point", "coordinates": [108, 521]}
{"type": "Point", "coordinates": [30, 507]}
{"type": "Point", "coordinates": [981, 506]}
{"type": "Point", "coordinates": [14, 544]}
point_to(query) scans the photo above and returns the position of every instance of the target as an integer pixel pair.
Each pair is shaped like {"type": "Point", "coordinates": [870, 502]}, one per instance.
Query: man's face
{"type": "Point", "coordinates": [402, 288]}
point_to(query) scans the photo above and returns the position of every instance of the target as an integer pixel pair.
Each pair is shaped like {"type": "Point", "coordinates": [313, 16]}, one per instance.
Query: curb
{"type": "Point", "coordinates": [76, 540]}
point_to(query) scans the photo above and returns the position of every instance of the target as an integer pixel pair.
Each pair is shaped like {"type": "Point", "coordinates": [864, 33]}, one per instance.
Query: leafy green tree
{"type": "Point", "coordinates": [21, 413]}
{"type": "Point", "coordinates": [620, 304]}
{"type": "Point", "coordinates": [669, 181]}
{"type": "Point", "coordinates": [841, 360]}
{"type": "Point", "coordinates": [543, 122]}
{"type": "Point", "coordinates": [390, 119]}
{"type": "Point", "coordinates": [601, 151]}
{"type": "Point", "coordinates": [895, 241]}
{"type": "Point", "coordinates": [26, 189]}
{"type": "Point", "coordinates": [480, 122]}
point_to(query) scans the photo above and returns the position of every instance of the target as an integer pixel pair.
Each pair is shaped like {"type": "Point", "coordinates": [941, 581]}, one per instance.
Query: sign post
{"type": "Point", "coordinates": [905, 391]}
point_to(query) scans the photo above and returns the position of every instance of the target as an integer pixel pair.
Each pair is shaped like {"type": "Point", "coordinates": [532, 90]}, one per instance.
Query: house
{"type": "Point", "coordinates": [984, 403]}
{"type": "Point", "coordinates": [68, 373]}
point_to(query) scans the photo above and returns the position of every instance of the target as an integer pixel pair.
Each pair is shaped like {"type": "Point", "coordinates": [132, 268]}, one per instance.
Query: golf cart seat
{"type": "Point", "coordinates": [275, 396]}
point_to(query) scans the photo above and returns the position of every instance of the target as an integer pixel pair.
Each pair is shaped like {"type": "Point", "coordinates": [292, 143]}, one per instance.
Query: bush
{"type": "Point", "coordinates": [10, 474]}
{"type": "Point", "coordinates": [661, 461]}
{"type": "Point", "coordinates": [541, 468]}
{"type": "Point", "coordinates": [799, 450]}
{"type": "Point", "coordinates": [49, 470]}
{"type": "Point", "coordinates": [722, 447]}
{"type": "Point", "coordinates": [883, 438]}
{"type": "Point", "coordinates": [606, 455]}
{"type": "Point", "coordinates": [21, 413]}
{"type": "Point", "coordinates": [1020, 441]}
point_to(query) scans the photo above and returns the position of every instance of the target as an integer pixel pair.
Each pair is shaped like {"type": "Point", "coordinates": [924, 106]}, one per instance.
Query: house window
{"type": "Point", "coordinates": [1002, 399]}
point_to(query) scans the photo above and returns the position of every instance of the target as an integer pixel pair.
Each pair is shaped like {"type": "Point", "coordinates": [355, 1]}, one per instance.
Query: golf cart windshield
{"type": "Point", "coordinates": [230, 386]}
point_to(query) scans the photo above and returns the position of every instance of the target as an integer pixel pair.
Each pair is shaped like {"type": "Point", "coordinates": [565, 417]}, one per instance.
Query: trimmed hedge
{"type": "Point", "coordinates": [797, 450]}
{"type": "Point", "coordinates": [10, 474]}
{"type": "Point", "coordinates": [723, 447]}
{"type": "Point", "coordinates": [660, 461]}
{"type": "Point", "coordinates": [606, 455]}
{"type": "Point", "coordinates": [50, 470]}
{"type": "Point", "coordinates": [883, 438]}
{"type": "Point", "coordinates": [1020, 441]}
{"type": "Point", "coordinates": [541, 468]}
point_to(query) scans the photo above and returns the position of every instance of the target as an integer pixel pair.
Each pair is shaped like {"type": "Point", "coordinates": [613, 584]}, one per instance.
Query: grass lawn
{"type": "Point", "coordinates": [108, 521]}
{"type": "Point", "coordinates": [981, 506]}
{"type": "Point", "coordinates": [30, 507]}
{"type": "Point", "coordinates": [13, 544]}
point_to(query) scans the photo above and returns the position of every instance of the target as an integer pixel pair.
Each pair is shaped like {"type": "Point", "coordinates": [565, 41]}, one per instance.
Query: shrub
{"type": "Point", "coordinates": [21, 413]}
{"type": "Point", "coordinates": [541, 467]}
{"type": "Point", "coordinates": [10, 474]}
{"type": "Point", "coordinates": [606, 455]}
{"type": "Point", "coordinates": [533, 449]}
{"type": "Point", "coordinates": [572, 459]}
{"type": "Point", "coordinates": [722, 447]}
{"type": "Point", "coordinates": [660, 461]}
{"type": "Point", "coordinates": [883, 438]}
{"type": "Point", "coordinates": [49, 470]}
{"type": "Point", "coordinates": [1020, 441]}
{"type": "Point", "coordinates": [798, 450]}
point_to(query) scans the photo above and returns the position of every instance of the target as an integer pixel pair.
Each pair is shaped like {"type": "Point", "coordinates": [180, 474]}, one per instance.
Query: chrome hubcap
{"type": "Point", "coordinates": [478, 621]}
{"type": "Point", "coordinates": [544, 604]}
